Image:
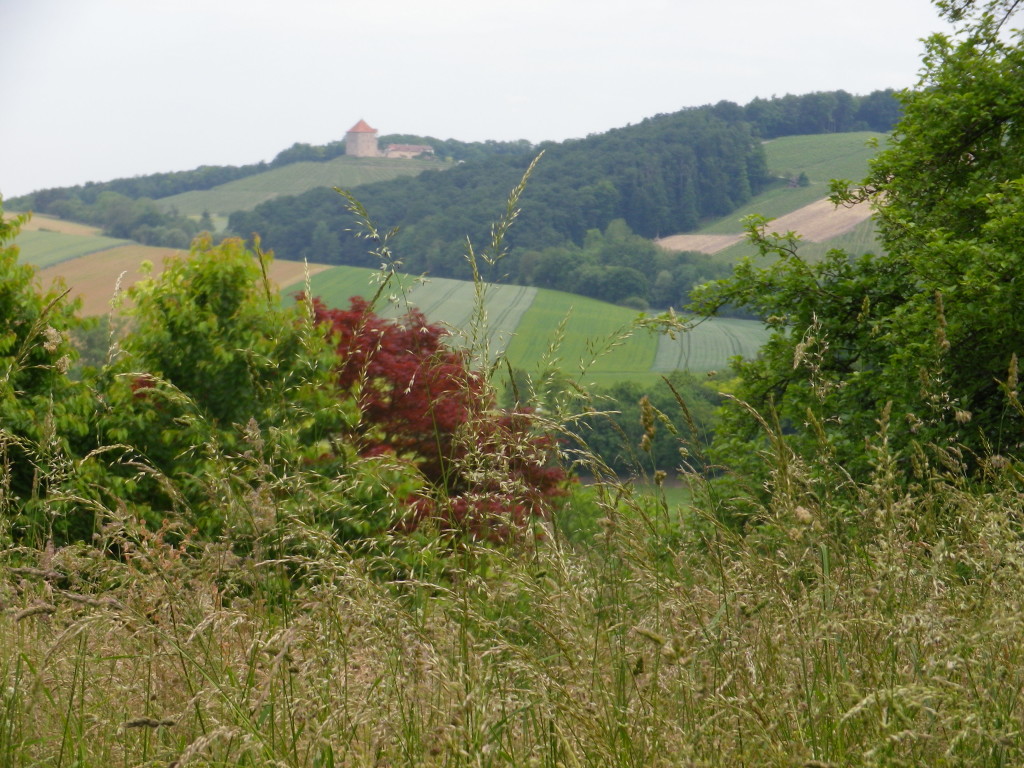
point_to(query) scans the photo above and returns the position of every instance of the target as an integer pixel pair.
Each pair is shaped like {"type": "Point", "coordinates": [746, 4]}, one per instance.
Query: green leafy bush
{"type": "Point", "coordinates": [925, 335]}
{"type": "Point", "coordinates": [44, 416]}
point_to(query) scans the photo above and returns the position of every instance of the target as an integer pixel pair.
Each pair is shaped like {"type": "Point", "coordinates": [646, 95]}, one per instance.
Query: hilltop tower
{"type": "Point", "coordinates": [361, 141]}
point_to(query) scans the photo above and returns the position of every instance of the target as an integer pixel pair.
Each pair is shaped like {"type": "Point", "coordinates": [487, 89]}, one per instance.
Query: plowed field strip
{"type": "Point", "coordinates": [817, 222]}
{"type": "Point", "coordinates": [40, 223]}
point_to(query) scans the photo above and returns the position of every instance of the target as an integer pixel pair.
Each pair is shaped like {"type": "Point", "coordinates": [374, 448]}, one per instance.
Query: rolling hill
{"type": "Point", "coordinates": [535, 327]}
{"type": "Point", "coordinates": [530, 325]}
{"type": "Point", "coordinates": [584, 336]}
{"type": "Point", "coordinates": [803, 209]}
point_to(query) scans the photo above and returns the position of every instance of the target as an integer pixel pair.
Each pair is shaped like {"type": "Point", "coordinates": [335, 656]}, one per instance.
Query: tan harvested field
{"type": "Point", "coordinates": [94, 278]}
{"type": "Point", "coordinates": [701, 243]}
{"type": "Point", "coordinates": [818, 222]}
{"type": "Point", "coordinates": [821, 221]}
{"type": "Point", "coordinates": [292, 274]}
{"type": "Point", "coordinates": [40, 223]}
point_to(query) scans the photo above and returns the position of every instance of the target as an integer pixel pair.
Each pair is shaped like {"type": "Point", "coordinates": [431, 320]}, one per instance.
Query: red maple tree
{"type": "Point", "coordinates": [420, 401]}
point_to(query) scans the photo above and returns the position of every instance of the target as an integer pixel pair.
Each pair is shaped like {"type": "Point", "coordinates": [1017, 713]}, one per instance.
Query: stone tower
{"type": "Point", "coordinates": [361, 141]}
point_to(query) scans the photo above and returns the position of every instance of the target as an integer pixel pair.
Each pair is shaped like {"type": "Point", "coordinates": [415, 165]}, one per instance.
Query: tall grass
{"type": "Point", "coordinates": [656, 643]}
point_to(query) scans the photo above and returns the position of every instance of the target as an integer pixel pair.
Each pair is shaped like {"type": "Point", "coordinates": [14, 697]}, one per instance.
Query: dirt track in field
{"type": "Point", "coordinates": [817, 222]}
{"type": "Point", "coordinates": [821, 221]}
{"type": "Point", "coordinates": [701, 243]}
{"type": "Point", "coordinates": [96, 278]}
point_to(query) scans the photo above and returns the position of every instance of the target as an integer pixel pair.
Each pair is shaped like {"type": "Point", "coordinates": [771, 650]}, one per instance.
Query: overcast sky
{"type": "Point", "coordinates": [98, 89]}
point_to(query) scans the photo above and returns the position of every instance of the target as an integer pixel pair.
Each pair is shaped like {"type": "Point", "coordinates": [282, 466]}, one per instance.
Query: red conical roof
{"type": "Point", "coordinates": [361, 127]}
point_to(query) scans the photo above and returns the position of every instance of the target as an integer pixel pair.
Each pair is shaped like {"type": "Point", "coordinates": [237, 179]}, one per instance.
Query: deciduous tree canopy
{"type": "Point", "coordinates": [918, 345]}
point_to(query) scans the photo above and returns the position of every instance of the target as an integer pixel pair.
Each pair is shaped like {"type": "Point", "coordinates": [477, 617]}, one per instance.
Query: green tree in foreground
{"type": "Point", "coordinates": [43, 414]}
{"type": "Point", "coordinates": [216, 368]}
{"type": "Point", "coordinates": [923, 338]}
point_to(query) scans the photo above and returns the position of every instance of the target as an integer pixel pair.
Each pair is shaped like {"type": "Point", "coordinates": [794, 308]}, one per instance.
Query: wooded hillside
{"type": "Point", "coordinates": [661, 176]}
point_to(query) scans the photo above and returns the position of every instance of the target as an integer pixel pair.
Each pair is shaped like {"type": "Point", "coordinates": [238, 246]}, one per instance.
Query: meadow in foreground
{"type": "Point", "coordinates": [653, 642]}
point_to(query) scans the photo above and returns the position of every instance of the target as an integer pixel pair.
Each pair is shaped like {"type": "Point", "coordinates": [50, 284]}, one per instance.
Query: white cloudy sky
{"type": "Point", "coordinates": [96, 89]}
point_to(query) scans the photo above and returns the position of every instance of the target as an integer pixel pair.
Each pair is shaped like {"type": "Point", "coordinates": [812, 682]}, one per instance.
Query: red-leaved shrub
{"type": "Point", "coordinates": [420, 401]}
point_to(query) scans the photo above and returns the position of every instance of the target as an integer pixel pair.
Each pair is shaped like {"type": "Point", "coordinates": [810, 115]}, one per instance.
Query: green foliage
{"type": "Point", "coordinates": [96, 341]}
{"type": "Point", "coordinates": [925, 337]}
{"type": "Point", "coordinates": [821, 112]}
{"type": "Point", "coordinates": [126, 218]}
{"type": "Point", "coordinates": [642, 429]}
{"type": "Point", "coordinates": [214, 365]}
{"type": "Point", "coordinates": [618, 266]}
{"type": "Point", "coordinates": [43, 414]}
{"type": "Point", "coordinates": [207, 326]}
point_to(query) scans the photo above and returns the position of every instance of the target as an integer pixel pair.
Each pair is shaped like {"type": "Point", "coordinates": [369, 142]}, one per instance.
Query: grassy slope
{"type": "Point", "coordinates": [597, 341]}
{"type": "Point", "coordinates": [42, 223]}
{"type": "Point", "coordinates": [45, 248]}
{"type": "Point", "coordinates": [449, 302]}
{"type": "Point", "coordinates": [822, 157]}
{"type": "Point", "coordinates": [589, 323]}
{"type": "Point", "coordinates": [710, 345]}
{"type": "Point", "coordinates": [293, 179]}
